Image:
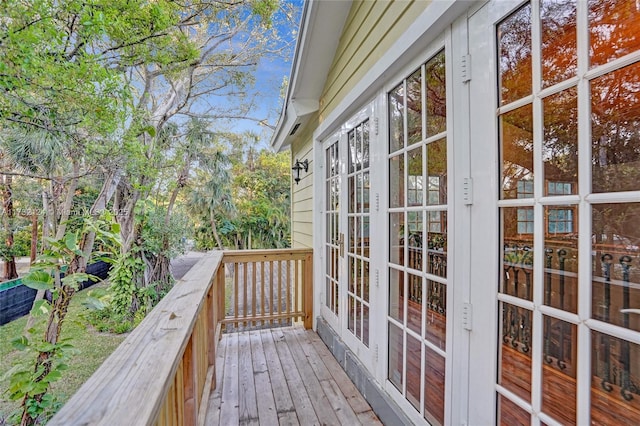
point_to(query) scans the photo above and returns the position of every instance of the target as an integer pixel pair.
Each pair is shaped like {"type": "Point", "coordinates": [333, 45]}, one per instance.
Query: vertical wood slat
{"type": "Point", "coordinates": [221, 284]}
{"type": "Point", "coordinates": [253, 289]}
{"type": "Point", "coordinates": [308, 291]}
{"type": "Point", "coordinates": [296, 289]}
{"type": "Point", "coordinates": [279, 296]}
{"type": "Point", "coordinates": [271, 311]}
{"type": "Point", "coordinates": [263, 299]}
{"type": "Point", "coordinates": [288, 300]}
{"type": "Point", "coordinates": [245, 305]}
{"type": "Point", "coordinates": [236, 288]}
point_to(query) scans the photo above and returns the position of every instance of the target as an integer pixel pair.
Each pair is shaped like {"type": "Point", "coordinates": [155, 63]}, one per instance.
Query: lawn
{"type": "Point", "coordinates": [94, 347]}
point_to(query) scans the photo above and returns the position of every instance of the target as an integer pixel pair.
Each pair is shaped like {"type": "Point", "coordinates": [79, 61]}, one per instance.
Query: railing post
{"type": "Point", "coordinates": [221, 281]}
{"type": "Point", "coordinates": [308, 291]}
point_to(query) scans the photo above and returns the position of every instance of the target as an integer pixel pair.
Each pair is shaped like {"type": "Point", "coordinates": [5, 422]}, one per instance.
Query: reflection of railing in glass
{"type": "Point", "coordinates": [610, 371]}
{"type": "Point", "coordinates": [518, 259]}
{"type": "Point", "coordinates": [516, 328]}
{"type": "Point", "coordinates": [557, 337]}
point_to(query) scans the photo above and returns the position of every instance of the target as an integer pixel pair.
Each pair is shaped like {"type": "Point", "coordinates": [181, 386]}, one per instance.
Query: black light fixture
{"type": "Point", "coordinates": [300, 165]}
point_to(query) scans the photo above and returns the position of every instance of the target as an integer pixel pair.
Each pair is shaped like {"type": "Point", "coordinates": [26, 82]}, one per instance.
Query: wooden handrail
{"type": "Point", "coordinates": [164, 370]}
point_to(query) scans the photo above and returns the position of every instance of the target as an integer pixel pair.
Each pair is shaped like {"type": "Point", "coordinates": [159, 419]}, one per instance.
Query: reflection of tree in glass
{"type": "Point", "coordinates": [615, 130]}
{"type": "Point", "coordinates": [514, 44]}
{"type": "Point", "coordinates": [436, 95]}
{"type": "Point", "coordinates": [559, 50]}
{"type": "Point", "coordinates": [516, 128]}
{"type": "Point", "coordinates": [560, 144]}
{"type": "Point", "coordinates": [614, 29]}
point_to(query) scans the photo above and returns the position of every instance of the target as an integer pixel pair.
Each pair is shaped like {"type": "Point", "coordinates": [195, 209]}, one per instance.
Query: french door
{"type": "Point", "coordinates": [555, 238]}
{"type": "Point", "coordinates": [347, 219]}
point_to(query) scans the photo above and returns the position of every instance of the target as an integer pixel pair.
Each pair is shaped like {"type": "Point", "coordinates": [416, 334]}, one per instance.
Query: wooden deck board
{"type": "Point", "coordinates": [282, 376]}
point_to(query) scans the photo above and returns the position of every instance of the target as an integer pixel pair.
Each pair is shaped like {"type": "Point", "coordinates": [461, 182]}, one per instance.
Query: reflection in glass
{"type": "Point", "coordinates": [414, 246]}
{"type": "Point", "coordinates": [516, 150]}
{"type": "Point", "coordinates": [517, 258]}
{"type": "Point", "coordinates": [514, 53]}
{"type": "Point", "coordinates": [437, 243]}
{"type": "Point", "coordinates": [396, 181]}
{"type": "Point", "coordinates": [414, 304]}
{"type": "Point", "coordinates": [614, 29]}
{"type": "Point", "coordinates": [561, 257]}
{"type": "Point", "coordinates": [414, 196]}
{"type": "Point", "coordinates": [365, 144]}
{"type": "Point", "coordinates": [434, 387]}
{"type": "Point", "coordinates": [615, 388]}
{"type": "Point", "coordinates": [365, 324]}
{"type": "Point", "coordinates": [615, 242]}
{"type": "Point", "coordinates": [515, 350]}
{"type": "Point", "coordinates": [414, 108]}
{"type": "Point", "coordinates": [396, 238]}
{"type": "Point", "coordinates": [511, 414]}
{"type": "Point", "coordinates": [396, 118]}
{"type": "Point", "coordinates": [559, 46]}
{"type": "Point", "coordinates": [615, 126]}
{"type": "Point", "coordinates": [559, 370]}
{"type": "Point", "coordinates": [436, 95]}
{"type": "Point", "coordinates": [560, 145]}
{"type": "Point", "coordinates": [436, 331]}
{"type": "Point", "coordinates": [353, 151]}
{"type": "Point", "coordinates": [414, 361]}
{"type": "Point", "coordinates": [396, 294]}
{"type": "Point", "coordinates": [437, 172]}
{"type": "Point", "coordinates": [351, 315]}
{"type": "Point", "coordinates": [396, 349]}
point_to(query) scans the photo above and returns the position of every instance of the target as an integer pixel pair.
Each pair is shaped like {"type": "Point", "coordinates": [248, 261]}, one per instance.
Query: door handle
{"type": "Point", "coordinates": [630, 311]}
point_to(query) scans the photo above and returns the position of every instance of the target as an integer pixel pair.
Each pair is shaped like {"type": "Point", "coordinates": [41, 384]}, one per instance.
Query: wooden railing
{"type": "Point", "coordinates": [164, 371]}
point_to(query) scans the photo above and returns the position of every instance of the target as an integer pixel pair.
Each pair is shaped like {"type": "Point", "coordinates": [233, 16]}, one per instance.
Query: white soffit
{"type": "Point", "coordinates": [320, 32]}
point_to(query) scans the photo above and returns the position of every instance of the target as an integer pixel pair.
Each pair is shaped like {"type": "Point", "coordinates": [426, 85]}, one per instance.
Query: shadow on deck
{"type": "Point", "coordinates": [283, 376]}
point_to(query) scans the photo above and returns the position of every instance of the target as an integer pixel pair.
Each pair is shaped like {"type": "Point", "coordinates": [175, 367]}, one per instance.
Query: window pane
{"type": "Point", "coordinates": [560, 145]}
{"type": "Point", "coordinates": [396, 118]}
{"type": "Point", "coordinates": [516, 149]}
{"type": "Point", "coordinates": [414, 108]}
{"type": "Point", "coordinates": [436, 95]}
{"type": "Point", "coordinates": [616, 264]}
{"type": "Point", "coordinates": [517, 243]}
{"type": "Point", "coordinates": [414, 363]}
{"type": "Point", "coordinates": [515, 351]}
{"type": "Point", "coordinates": [395, 356]}
{"type": "Point", "coordinates": [437, 172]}
{"type": "Point", "coordinates": [559, 370]}
{"type": "Point", "coordinates": [514, 53]}
{"type": "Point", "coordinates": [559, 48]}
{"type": "Point", "coordinates": [436, 331]}
{"type": "Point", "coordinates": [414, 304]}
{"type": "Point", "coordinates": [396, 238]}
{"type": "Point", "coordinates": [437, 244]}
{"type": "Point", "coordinates": [615, 126]}
{"type": "Point", "coordinates": [434, 387]}
{"type": "Point", "coordinates": [396, 294]}
{"type": "Point", "coordinates": [415, 176]}
{"type": "Point", "coordinates": [396, 181]}
{"type": "Point", "coordinates": [511, 414]}
{"type": "Point", "coordinates": [615, 391]}
{"type": "Point", "coordinates": [561, 258]}
{"type": "Point", "coordinates": [614, 29]}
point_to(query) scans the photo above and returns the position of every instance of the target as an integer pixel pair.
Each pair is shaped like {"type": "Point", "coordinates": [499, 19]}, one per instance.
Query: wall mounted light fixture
{"type": "Point", "coordinates": [299, 166]}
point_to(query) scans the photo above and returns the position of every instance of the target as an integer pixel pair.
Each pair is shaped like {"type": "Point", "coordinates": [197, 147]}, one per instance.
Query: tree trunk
{"type": "Point", "coordinates": [214, 230]}
{"type": "Point", "coordinates": [34, 238]}
{"type": "Point", "coordinates": [10, 270]}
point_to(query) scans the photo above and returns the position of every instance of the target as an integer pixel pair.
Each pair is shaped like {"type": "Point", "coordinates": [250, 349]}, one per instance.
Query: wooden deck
{"type": "Point", "coordinates": [283, 376]}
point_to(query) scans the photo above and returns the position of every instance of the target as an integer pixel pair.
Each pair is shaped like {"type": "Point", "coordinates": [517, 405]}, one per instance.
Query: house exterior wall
{"type": "Point", "coordinates": [302, 193]}
{"type": "Point", "coordinates": [371, 29]}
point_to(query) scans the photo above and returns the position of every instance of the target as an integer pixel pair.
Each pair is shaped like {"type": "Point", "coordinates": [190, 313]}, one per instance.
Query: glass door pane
{"type": "Point", "coordinates": [417, 214]}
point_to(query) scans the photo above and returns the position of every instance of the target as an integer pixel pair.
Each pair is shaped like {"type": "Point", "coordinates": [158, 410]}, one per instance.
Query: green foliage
{"type": "Point", "coordinates": [25, 383]}
{"type": "Point", "coordinates": [122, 276]}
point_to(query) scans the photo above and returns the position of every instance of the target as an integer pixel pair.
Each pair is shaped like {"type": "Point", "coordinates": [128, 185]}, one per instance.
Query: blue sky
{"type": "Point", "coordinates": [269, 78]}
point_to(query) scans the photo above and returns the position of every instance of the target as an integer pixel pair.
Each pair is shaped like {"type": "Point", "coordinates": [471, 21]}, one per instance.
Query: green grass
{"type": "Point", "coordinates": [94, 347]}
